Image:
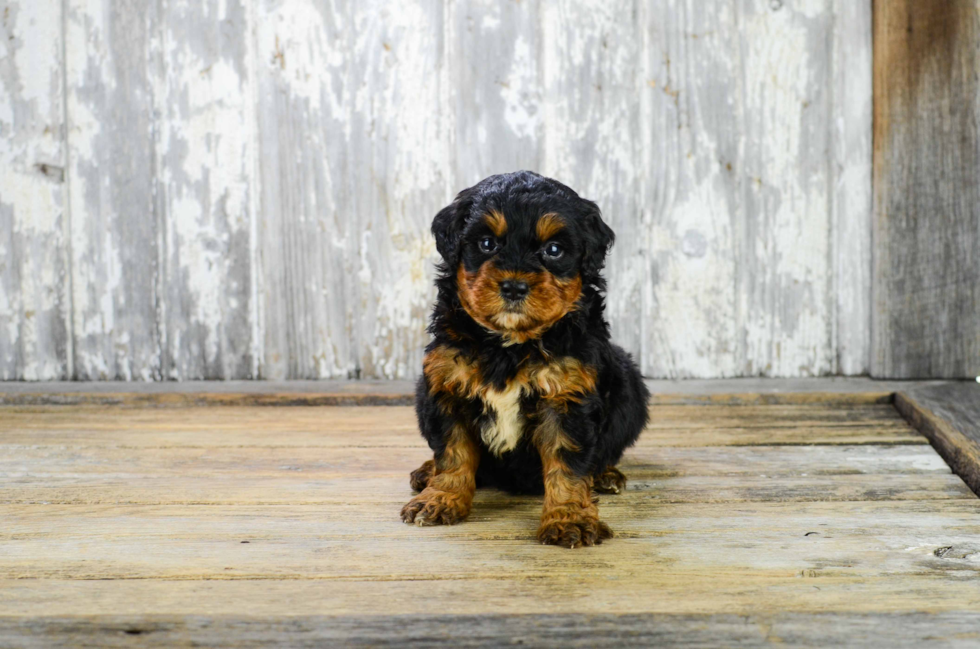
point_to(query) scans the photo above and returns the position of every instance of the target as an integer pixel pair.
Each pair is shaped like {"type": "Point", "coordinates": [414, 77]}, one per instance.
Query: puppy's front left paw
{"type": "Point", "coordinates": [610, 481]}
{"type": "Point", "coordinates": [572, 531]}
{"type": "Point", "coordinates": [435, 507]}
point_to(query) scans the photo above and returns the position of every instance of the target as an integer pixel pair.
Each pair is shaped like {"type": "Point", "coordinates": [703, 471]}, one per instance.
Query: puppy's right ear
{"type": "Point", "coordinates": [449, 224]}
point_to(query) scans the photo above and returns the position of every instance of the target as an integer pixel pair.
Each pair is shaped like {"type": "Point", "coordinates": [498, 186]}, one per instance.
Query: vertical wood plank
{"type": "Point", "coordinates": [110, 49]}
{"type": "Point", "coordinates": [495, 62]}
{"type": "Point", "coordinates": [851, 184]}
{"type": "Point", "coordinates": [691, 158]}
{"type": "Point", "coordinates": [401, 175]}
{"type": "Point", "coordinates": [926, 282]}
{"type": "Point", "coordinates": [307, 234]}
{"type": "Point", "coordinates": [592, 52]}
{"type": "Point", "coordinates": [785, 279]}
{"type": "Point", "coordinates": [205, 153]}
{"type": "Point", "coordinates": [743, 263]}
{"type": "Point", "coordinates": [35, 330]}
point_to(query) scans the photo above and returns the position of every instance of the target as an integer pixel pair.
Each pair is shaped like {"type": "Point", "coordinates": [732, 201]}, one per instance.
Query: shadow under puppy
{"type": "Point", "coordinates": [521, 387]}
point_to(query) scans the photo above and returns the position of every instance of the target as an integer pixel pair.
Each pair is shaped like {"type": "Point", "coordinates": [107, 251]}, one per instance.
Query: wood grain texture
{"type": "Point", "coordinates": [251, 182]}
{"type": "Point", "coordinates": [231, 525]}
{"type": "Point", "coordinates": [496, 67]}
{"type": "Point", "coordinates": [842, 390]}
{"type": "Point", "coordinates": [948, 416]}
{"type": "Point", "coordinates": [372, 396]}
{"type": "Point", "coordinates": [160, 138]}
{"type": "Point", "coordinates": [927, 198]}
{"type": "Point", "coordinates": [204, 127]}
{"type": "Point", "coordinates": [346, 476]}
{"type": "Point", "coordinates": [112, 51]}
{"type": "Point", "coordinates": [645, 463]}
{"type": "Point", "coordinates": [294, 545]}
{"type": "Point", "coordinates": [735, 212]}
{"type": "Point", "coordinates": [851, 201]}
{"type": "Point", "coordinates": [35, 298]}
{"type": "Point", "coordinates": [668, 420]}
{"type": "Point", "coordinates": [388, 600]}
{"type": "Point", "coordinates": [400, 141]}
{"type": "Point", "coordinates": [690, 150]}
{"type": "Point", "coordinates": [784, 249]}
{"type": "Point", "coordinates": [900, 630]}
{"type": "Point", "coordinates": [308, 250]}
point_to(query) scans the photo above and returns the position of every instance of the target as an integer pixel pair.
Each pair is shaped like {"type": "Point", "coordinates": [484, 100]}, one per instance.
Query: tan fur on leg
{"type": "Point", "coordinates": [570, 518]}
{"type": "Point", "coordinates": [448, 496]}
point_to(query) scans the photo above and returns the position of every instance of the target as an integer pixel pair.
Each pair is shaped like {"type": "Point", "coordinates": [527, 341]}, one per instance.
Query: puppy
{"type": "Point", "coordinates": [521, 387]}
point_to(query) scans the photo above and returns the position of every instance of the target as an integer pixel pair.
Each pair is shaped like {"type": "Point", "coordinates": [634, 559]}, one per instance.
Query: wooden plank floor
{"type": "Point", "coordinates": [800, 522]}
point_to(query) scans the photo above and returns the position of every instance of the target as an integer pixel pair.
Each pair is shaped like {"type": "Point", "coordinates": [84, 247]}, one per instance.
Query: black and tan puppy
{"type": "Point", "coordinates": [521, 387]}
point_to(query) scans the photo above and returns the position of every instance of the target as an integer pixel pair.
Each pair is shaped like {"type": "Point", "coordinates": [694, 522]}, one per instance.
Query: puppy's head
{"type": "Point", "coordinates": [521, 248]}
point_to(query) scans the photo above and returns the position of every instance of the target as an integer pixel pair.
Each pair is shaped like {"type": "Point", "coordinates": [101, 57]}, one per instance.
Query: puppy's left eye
{"type": "Point", "coordinates": [553, 250]}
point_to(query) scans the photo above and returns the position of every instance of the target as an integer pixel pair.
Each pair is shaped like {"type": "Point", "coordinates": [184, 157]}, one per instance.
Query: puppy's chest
{"type": "Point", "coordinates": [555, 381]}
{"type": "Point", "coordinates": [505, 423]}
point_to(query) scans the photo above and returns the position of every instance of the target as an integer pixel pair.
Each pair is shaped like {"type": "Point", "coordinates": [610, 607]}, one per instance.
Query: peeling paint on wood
{"type": "Point", "coordinates": [851, 199]}
{"type": "Point", "coordinates": [784, 254]}
{"type": "Point", "coordinates": [687, 256]}
{"type": "Point", "coordinates": [401, 176]}
{"type": "Point", "coordinates": [205, 154]}
{"type": "Point", "coordinates": [115, 210]}
{"type": "Point", "coordinates": [251, 182]}
{"type": "Point", "coordinates": [498, 86]}
{"type": "Point", "coordinates": [35, 343]}
{"type": "Point", "coordinates": [307, 246]}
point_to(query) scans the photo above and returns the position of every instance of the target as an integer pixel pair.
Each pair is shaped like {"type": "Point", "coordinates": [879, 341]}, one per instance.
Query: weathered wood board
{"type": "Point", "coordinates": [116, 220]}
{"type": "Point", "coordinates": [950, 417]}
{"type": "Point", "coordinates": [926, 318]}
{"type": "Point", "coordinates": [911, 630]}
{"type": "Point", "coordinates": [851, 202]}
{"type": "Point", "coordinates": [35, 270]}
{"type": "Point", "coordinates": [238, 525]}
{"type": "Point", "coordinates": [207, 188]}
{"type": "Point", "coordinates": [243, 188]}
{"type": "Point", "coordinates": [161, 128]}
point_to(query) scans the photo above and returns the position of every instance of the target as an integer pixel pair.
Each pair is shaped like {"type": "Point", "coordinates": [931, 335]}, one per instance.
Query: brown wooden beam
{"type": "Point", "coordinates": [926, 233]}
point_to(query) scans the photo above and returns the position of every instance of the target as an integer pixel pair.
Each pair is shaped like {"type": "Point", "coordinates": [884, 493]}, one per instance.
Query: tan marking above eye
{"type": "Point", "coordinates": [548, 226]}
{"type": "Point", "coordinates": [496, 222]}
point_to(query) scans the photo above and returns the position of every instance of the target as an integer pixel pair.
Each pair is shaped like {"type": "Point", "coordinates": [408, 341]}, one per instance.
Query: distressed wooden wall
{"type": "Point", "coordinates": [927, 189]}
{"type": "Point", "coordinates": [243, 188]}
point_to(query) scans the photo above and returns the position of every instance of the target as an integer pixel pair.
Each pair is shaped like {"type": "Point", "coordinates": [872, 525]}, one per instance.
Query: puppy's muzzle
{"type": "Point", "coordinates": [514, 291]}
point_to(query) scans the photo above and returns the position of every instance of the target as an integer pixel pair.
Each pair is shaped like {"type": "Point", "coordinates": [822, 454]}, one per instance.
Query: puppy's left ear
{"type": "Point", "coordinates": [448, 226]}
{"type": "Point", "coordinates": [599, 239]}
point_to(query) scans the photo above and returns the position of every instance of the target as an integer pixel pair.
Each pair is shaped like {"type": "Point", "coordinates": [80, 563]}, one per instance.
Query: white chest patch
{"type": "Point", "coordinates": [503, 433]}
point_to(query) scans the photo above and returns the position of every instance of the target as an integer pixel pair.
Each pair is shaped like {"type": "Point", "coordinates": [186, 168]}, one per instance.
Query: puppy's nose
{"type": "Point", "coordinates": [514, 291]}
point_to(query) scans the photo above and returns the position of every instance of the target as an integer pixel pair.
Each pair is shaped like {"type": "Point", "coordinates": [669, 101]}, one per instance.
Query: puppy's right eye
{"type": "Point", "coordinates": [488, 244]}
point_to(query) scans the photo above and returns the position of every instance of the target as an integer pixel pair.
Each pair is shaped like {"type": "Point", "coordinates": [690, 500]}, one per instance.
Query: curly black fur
{"type": "Point", "coordinates": [604, 422]}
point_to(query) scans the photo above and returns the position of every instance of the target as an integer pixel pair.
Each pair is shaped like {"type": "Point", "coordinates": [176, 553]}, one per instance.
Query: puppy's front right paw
{"type": "Point", "coordinates": [572, 531]}
{"type": "Point", "coordinates": [435, 507]}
